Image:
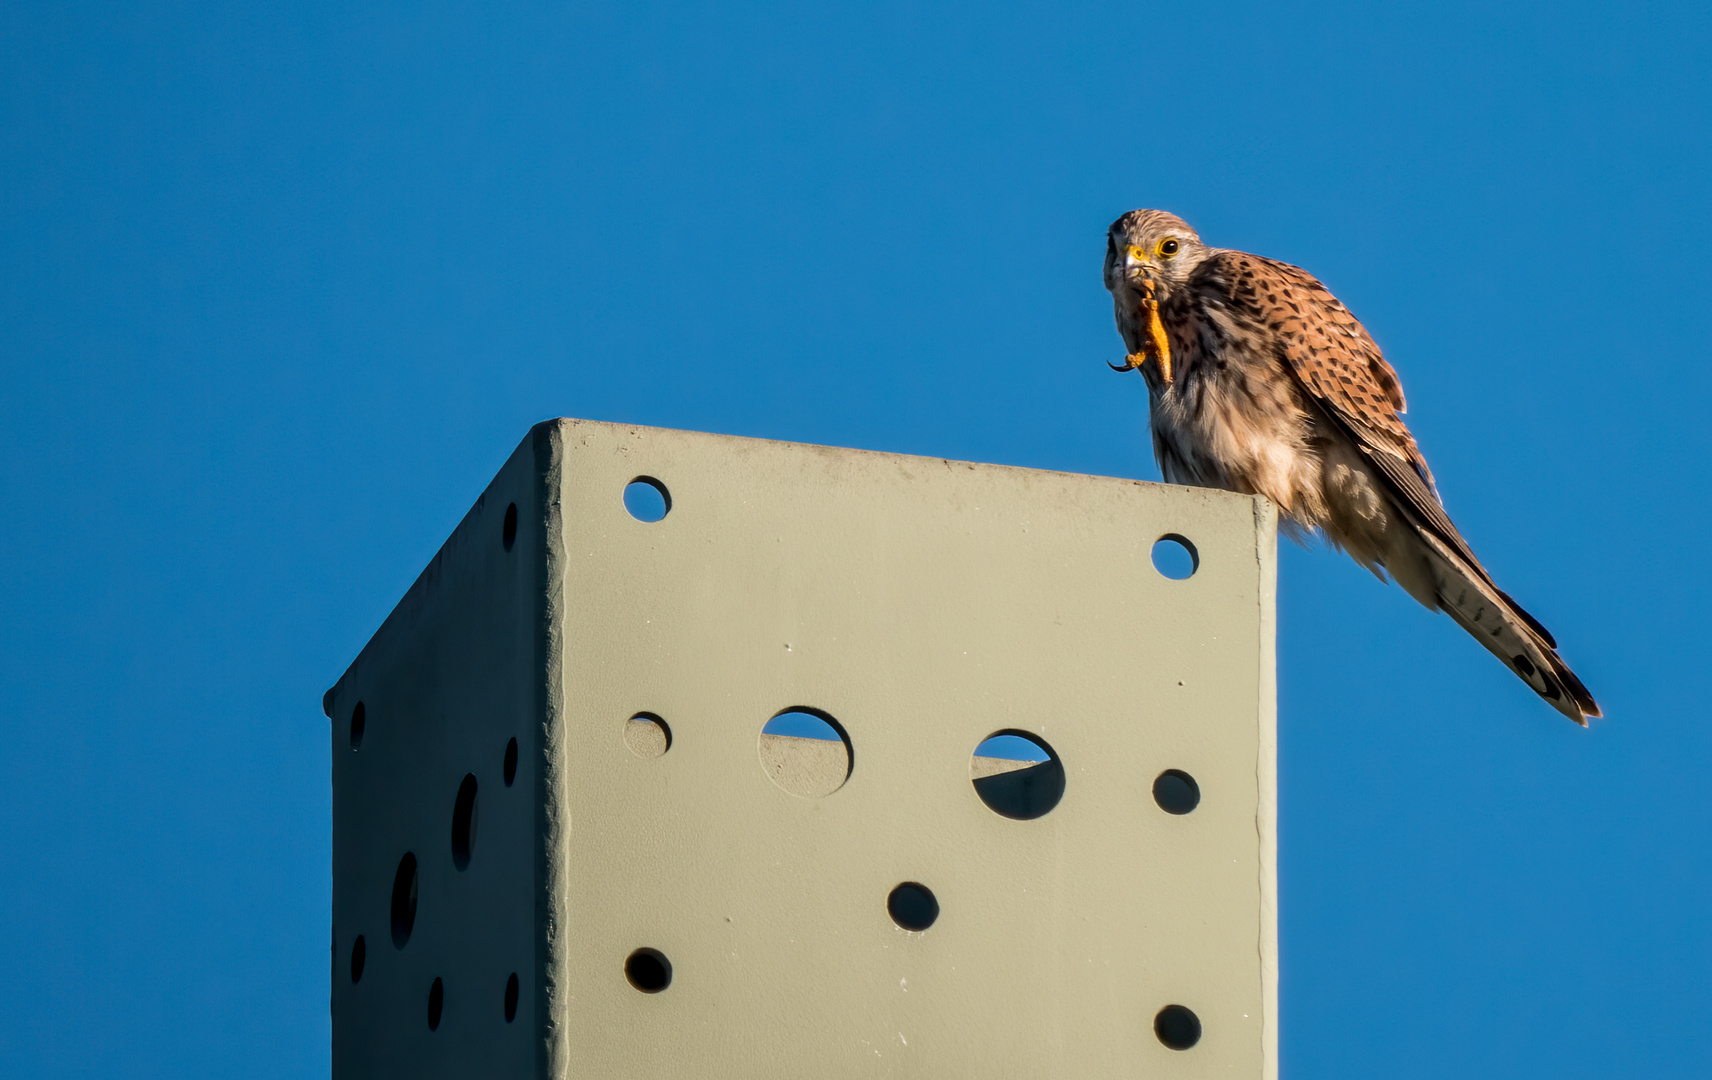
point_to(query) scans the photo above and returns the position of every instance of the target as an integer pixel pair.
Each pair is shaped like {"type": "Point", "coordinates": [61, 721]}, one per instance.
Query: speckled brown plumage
{"type": "Point", "coordinates": [1260, 381]}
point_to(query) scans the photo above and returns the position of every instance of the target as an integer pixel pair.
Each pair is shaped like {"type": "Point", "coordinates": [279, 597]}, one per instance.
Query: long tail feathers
{"type": "Point", "coordinates": [1467, 595]}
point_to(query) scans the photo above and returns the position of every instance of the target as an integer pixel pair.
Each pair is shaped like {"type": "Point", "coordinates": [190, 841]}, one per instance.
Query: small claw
{"type": "Point", "coordinates": [1120, 368]}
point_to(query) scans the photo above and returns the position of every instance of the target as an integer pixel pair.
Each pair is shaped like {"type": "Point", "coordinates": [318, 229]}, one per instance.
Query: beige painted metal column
{"type": "Point", "coordinates": [649, 831]}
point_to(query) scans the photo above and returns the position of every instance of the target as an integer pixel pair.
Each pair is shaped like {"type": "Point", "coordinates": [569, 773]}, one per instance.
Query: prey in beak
{"type": "Point", "coordinates": [1156, 346]}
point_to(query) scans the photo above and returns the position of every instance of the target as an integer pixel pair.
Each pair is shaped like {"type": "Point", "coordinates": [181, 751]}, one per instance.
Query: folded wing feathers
{"type": "Point", "coordinates": [1338, 366]}
{"type": "Point", "coordinates": [1468, 594]}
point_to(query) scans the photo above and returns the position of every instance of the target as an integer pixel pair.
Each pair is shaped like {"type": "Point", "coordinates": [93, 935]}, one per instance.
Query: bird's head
{"type": "Point", "coordinates": [1149, 253]}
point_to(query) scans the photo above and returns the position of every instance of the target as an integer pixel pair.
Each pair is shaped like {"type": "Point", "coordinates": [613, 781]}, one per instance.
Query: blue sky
{"type": "Point", "coordinates": [283, 288]}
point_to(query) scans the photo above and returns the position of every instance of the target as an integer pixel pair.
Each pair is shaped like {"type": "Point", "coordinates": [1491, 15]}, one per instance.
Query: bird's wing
{"type": "Point", "coordinates": [1341, 370]}
{"type": "Point", "coordinates": [1326, 348]}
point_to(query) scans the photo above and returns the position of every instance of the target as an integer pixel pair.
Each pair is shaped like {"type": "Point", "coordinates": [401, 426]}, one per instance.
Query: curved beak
{"type": "Point", "coordinates": [1138, 268]}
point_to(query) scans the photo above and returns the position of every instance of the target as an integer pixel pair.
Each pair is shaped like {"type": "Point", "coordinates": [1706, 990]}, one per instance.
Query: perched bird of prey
{"type": "Point", "coordinates": [1261, 382]}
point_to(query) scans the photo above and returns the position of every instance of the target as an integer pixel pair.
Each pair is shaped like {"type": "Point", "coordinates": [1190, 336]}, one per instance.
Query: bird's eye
{"type": "Point", "coordinates": [1168, 247]}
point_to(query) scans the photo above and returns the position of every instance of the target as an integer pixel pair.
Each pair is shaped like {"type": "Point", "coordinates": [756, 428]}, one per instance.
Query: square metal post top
{"type": "Point", "coordinates": [572, 839]}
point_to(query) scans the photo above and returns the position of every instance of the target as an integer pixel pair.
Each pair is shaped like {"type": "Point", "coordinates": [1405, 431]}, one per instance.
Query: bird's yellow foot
{"type": "Point", "coordinates": [1157, 347]}
{"type": "Point", "coordinates": [1158, 344]}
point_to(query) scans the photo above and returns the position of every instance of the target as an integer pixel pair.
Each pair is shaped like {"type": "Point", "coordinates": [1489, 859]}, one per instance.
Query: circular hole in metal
{"type": "Point", "coordinates": [806, 752]}
{"type": "Point", "coordinates": [1175, 557]}
{"type": "Point", "coordinates": [1176, 792]}
{"type": "Point", "coordinates": [912, 906]}
{"type": "Point", "coordinates": [647, 735]}
{"type": "Point", "coordinates": [510, 770]}
{"type": "Point", "coordinates": [464, 822]}
{"type": "Point", "coordinates": [1177, 1027]}
{"type": "Point", "coordinates": [508, 532]}
{"type": "Point", "coordinates": [436, 1003]}
{"type": "Point", "coordinates": [358, 720]}
{"type": "Point", "coordinates": [359, 956]}
{"type": "Point", "coordinates": [647, 499]}
{"type": "Point", "coordinates": [511, 998]}
{"type": "Point", "coordinates": [648, 970]}
{"type": "Point", "coordinates": [404, 900]}
{"type": "Point", "coordinates": [1017, 775]}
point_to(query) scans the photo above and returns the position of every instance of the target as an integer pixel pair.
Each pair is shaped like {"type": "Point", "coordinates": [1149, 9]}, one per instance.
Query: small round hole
{"type": "Point", "coordinates": [510, 761]}
{"type": "Point", "coordinates": [404, 900]}
{"type": "Point", "coordinates": [508, 532]}
{"type": "Point", "coordinates": [436, 1003]}
{"type": "Point", "coordinates": [647, 735]}
{"type": "Point", "coordinates": [464, 822]}
{"type": "Point", "coordinates": [358, 720]}
{"type": "Point", "coordinates": [912, 906]}
{"type": "Point", "coordinates": [806, 752]}
{"type": "Point", "coordinates": [1176, 792]}
{"type": "Point", "coordinates": [1177, 1027]}
{"type": "Point", "coordinates": [1175, 557]}
{"type": "Point", "coordinates": [359, 956]}
{"type": "Point", "coordinates": [647, 499]}
{"type": "Point", "coordinates": [648, 970]}
{"type": "Point", "coordinates": [1017, 775]}
{"type": "Point", "coordinates": [511, 998]}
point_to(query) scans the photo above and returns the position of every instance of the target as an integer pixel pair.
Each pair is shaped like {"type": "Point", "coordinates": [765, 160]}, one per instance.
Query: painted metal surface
{"type": "Point", "coordinates": [920, 606]}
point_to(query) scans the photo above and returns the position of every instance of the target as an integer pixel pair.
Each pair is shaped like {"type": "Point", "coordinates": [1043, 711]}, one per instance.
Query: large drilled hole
{"type": "Point", "coordinates": [359, 957]}
{"type": "Point", "coordinates": [510, 764]}
{"type": "Point", "coordinates": [647, 735]}
{"type": "Point", "coordinates": [1175, 557]}
{"type": "Point", "coordinates": [647, 499]}
{"type": "Point", "coordinates": [436, 1003]}
{"type": "Point", "coordinates": [511, 998]}
{"type": "Point", "coordinates": [1017, 775]}
{"type": "Point", "coordinates": [648, 970]}
{"type": "Point", "coordinates": [806, 752]}
{"type": "Point", "coordinates": [1176, 792]}
{"type": "Point", "coordinates": [464, 822]}
{"type": "Point", "coordinates": [358, 720]}
{"type": "Point", "coordinates": [404, 900]}
{"type": "Point", "coordinates": [508, 532]}
{"type": "Point", "coordinates": [1177, 1027]}
{"type": "Point", "coordinates": [912, 906]}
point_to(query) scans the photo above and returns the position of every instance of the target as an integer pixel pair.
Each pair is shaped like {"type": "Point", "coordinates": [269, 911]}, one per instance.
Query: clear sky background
{"type": "Point", "coordinates": [284, 287]}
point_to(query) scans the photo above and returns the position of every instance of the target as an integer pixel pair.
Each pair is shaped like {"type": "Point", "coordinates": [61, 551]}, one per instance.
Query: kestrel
{"type": "Point", "coordinates": [1261, 382]}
